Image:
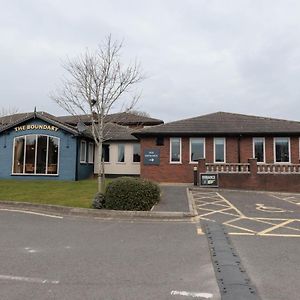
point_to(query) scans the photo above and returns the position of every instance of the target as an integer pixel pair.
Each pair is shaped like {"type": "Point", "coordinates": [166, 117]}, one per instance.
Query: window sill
{"type": "Point", "coordinates": [175, 163]}
{"type": "Point", "coordinates": [28, 174]}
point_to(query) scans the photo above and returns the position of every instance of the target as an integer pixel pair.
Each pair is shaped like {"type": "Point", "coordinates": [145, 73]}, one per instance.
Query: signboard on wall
{"type": "Point", "coordinates": [36, 127]}
{"type": "Point", "coordinates": [151, 157]}
{"type": "Point", "coordinates": [209, 180]}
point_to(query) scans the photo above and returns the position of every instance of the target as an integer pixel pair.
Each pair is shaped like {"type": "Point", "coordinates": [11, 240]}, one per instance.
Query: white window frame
{"type": "Point", "coordinates": [180, 151]}
{"type": "Point", "coordinates": [135, 162]}
{"type": "Point", "coordinates": [253, 148]}
{"type": "Point", "coordinates": [35, 156]}
{"type": "Point", "coordinates": [190, 154]}
{"type": "Point", "coordinates": [219, 162]}
{"type": "Point", "coordinates": [91, 151]}
{"type": "Point", "coordinates": [274, 150]}
{"type": "Point", "coordinates": [82, 142]}
{"type": "Point", "coordinates": [117, 160]}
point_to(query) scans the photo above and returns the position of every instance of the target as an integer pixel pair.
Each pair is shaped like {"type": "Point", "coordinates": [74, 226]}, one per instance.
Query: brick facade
{"type": "Point", "coordinates": [183, 172]}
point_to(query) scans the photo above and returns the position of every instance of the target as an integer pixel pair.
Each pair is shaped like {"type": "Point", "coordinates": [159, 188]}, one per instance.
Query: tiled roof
{"type": "Point", "coordinates": [15, 119]}
{"type": "Point", "coordinates": [115, 132]}
{"type": "Point", "coordinates": [223, 123]}
{"type": "Point", "coordinates": [119, 118]}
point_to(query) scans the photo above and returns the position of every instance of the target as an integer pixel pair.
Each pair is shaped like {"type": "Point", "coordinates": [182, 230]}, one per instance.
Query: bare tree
{"type": "Point", "coordinates": [96, 84]}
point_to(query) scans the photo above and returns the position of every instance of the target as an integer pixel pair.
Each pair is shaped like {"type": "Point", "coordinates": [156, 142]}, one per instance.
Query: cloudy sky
{"type": "Point", "coordinates": [200, 56]}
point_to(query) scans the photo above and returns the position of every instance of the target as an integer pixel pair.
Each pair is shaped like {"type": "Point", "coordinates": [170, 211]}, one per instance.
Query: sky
{"type": "Point", "coordinates": [199, 56]}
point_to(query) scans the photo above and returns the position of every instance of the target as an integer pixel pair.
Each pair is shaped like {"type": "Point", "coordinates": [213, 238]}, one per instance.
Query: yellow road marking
{"type": "Point", "coordinates": [275, 227]}
{"type": "Point", "coordinates": [240, 216]}
{"type": "Point", "coordinates": [199, 231]}
{"type": "Point", "coordinates": [229, 203]}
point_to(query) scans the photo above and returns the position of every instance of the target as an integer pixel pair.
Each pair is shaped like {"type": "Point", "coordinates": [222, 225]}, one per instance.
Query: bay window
{"type": "Point", "coordinates": [36, 155]}
{"type": "Point", "coordinates": [136, 156]}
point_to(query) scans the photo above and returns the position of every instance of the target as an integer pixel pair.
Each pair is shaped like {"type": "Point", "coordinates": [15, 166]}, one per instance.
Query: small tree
{"type": "Point", "coordinates": [95, 85]}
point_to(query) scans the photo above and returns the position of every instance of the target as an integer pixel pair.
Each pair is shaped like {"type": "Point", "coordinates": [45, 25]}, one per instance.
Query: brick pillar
{"type": "Point", "coordinates": [201, 165]}
{"type": "Point", "coordinates": [253, 166]}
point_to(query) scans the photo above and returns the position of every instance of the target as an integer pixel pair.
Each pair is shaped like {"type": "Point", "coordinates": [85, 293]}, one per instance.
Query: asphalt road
{"type": "Point", "coordinates": [80, 258]}
{"type": "Point", "coordinates": [265, 231]}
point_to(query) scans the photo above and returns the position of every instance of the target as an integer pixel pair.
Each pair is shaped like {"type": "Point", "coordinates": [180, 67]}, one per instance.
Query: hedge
{"type": "Point", "coordinates": [128, 193]}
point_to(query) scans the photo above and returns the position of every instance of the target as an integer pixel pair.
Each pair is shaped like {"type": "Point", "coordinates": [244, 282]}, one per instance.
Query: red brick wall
{"type": "Point", "coordinates": [262, 182]}
{"type": "Point", "coordinates": [183, 172]}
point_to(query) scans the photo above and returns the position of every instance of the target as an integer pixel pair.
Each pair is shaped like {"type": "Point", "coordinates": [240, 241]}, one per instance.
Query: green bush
{"type": "Point", "coordinates": [128, 193]}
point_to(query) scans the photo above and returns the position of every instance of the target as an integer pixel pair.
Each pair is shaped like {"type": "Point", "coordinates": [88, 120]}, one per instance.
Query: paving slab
{"type": "Point", "coordinates": [173, 199]}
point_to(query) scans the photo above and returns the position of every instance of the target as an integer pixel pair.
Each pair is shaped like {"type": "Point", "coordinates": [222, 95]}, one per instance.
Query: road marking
{"type": "Point", "coordinates": [192, 294]}
{"type": "Point", "coordinates": [199, 231]}
{"type": "Point", "coordinates": [275, 227]}
{"type": "Point", "coordinates": [31, 213]}
{"type": "Point", "coordinates": [231, 205]}
{"type": "Point", "coordinates": [248, 225]}
{"type": "Point", "coordinates": [287, 199]}
{"type": "Point", "coordinates": [28, 279]}
{"type": "Point", "coordinates": [270, 209]}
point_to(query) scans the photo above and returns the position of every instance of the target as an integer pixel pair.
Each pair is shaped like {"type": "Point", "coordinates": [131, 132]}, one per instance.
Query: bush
{"type": "Point", "coordinates": [99, 201]}
{"type": "Point", "coordinates": [128, 193]}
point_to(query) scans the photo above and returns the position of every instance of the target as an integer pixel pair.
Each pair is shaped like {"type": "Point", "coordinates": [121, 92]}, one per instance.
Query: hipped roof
{"type": "Point", "coordinates": [223, 123]}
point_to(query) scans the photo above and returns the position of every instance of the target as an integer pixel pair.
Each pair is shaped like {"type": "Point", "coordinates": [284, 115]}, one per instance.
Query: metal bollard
{"type": "Point", "coordinates": [195, 176]}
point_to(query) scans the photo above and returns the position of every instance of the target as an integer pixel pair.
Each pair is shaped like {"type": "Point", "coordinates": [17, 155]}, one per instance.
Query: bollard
{"type": "Point", "coordinates": [195, 176]}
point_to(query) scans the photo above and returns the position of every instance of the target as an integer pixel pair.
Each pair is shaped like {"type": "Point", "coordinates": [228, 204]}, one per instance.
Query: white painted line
{"type": "Point", "coordinates": [192, 294]}
{"type": "Point", "coordinates": [31, 213]}
{"type": "Point", "coordinates": [28, 279]}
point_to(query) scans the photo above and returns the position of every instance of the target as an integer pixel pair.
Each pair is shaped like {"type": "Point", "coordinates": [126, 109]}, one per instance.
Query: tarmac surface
{"type": "Point", "coordinates": [67, 257]}
{"type": "Point", "coordinates": [265, 231]}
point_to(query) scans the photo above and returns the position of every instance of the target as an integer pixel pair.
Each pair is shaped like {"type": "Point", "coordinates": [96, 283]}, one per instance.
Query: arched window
{"type": "Point", "coordinates": [36, 154]}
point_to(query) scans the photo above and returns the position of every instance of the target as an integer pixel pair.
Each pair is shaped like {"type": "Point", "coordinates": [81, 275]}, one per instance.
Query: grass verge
{"type": "Point", "coordinates": [66, 193]}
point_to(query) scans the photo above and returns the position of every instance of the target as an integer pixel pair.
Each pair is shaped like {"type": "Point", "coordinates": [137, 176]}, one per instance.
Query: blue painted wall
{"type": "Point", "coordinates": [85, 170]}
{"type": "Point", "coordinates": [68, 157]}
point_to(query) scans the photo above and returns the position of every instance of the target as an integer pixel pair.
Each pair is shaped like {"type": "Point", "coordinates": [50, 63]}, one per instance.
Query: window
{"type": "Point", "coordinates": [36, 155]}
{"type": "Point", "coordinates": [197, 149]}
{"type": "Point", "coordinates": [175, 150]}
{"type": "Point", "coordinates": [83, 151]}
{"type": "Point", "coordinates": [136, 153]}
{"type": "Point", "coordinates": [282, 150]}
{"type": "Point", "coordinates": [259, 149]}
{"type": "Point", "coordinates": [91, 153]}
{"type": "Point", "coordinates": [121, 153]}
{"type": "Point", "coordinates": [105, 152]}
{"type": "Point", "coordinates": [219, 150]}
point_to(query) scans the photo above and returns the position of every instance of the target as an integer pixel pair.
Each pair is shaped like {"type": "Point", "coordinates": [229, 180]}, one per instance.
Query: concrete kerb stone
{"type": "Point", "coordinates": [192, 205]}
{"type": "Point", "coordinates": [96, 213]}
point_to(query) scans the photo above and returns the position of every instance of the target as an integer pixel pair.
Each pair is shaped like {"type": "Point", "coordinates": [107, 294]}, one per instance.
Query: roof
{"type": "Point", "coordinates": [115, 132]}
{"type": "Point", "coordinates": [223, 123]}
{"type": "Point", "coordinates": [123, 118]}
{"type": "Point", "coordinates": [16, 119]}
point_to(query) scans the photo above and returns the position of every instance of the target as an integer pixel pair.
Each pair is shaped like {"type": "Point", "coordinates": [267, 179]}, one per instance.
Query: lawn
{"type": "Point", "coordinates": [66, 193]}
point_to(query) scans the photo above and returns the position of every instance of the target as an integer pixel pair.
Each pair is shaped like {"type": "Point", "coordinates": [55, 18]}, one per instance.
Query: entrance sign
{"type": "Point", "coordinates": [151, 157]}
{"type": "Point", "coordinates": [36, 127]}
{"type": "Point", "coordinates": [209, 179]}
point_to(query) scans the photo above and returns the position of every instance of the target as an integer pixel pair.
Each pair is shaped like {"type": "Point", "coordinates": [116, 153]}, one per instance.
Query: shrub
{"type": "Point", "coordinates": [98, 201]}
{"type": "Point", "coordinates": [128, 193]}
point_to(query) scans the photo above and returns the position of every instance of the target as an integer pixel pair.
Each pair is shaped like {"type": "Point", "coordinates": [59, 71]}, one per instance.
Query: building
{"type": "Point", "coordinates": [41, 146]}
{"type": "Point", "coordinates": [245, 151]}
